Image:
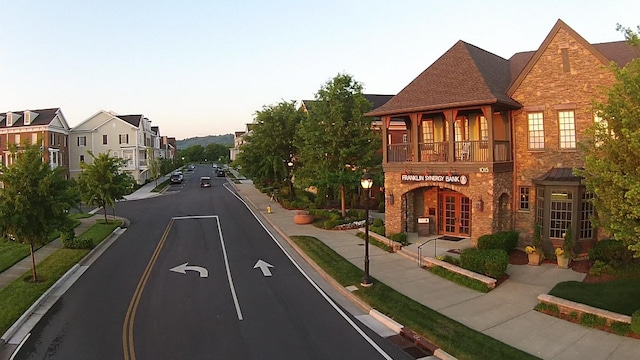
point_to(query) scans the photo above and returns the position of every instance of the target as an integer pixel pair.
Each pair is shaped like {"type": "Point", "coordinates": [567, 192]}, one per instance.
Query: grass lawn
{"type": "Point", "coordinates": [452, 336]}
{"type": "Point", "coordinates": [16, 298]}
{"type": "Point", "coordinates": [11, 252]}
{"type": "Point", "coordinates": [161, 186]}
{"type": "Point", "coordinates": [621, 295]}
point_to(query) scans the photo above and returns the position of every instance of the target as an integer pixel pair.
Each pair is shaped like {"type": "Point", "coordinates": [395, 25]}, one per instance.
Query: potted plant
{"type": "Point", "coordinates": [534, 251]}
{"type": "Point", "coordinates": [564, 254]}
{"type": "Point", "coordinates": [303, 217]}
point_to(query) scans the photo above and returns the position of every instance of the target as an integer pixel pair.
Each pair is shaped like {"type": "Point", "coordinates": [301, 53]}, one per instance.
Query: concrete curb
{"type": "Point", "coordinates": [16, 325]}
{"type": "Point", "coordinates": [387, 321]}
{"type": "Point", "coordinates": [382, 318]}
{"type": "Point", "coordinates": [97, 251]}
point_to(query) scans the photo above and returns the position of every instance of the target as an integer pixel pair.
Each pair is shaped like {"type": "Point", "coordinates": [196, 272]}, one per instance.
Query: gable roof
{"type": "Point", "coordinates": [464, 75]}
{"type": "Point", "coordinates": [131, 119]}
{"type": "Point", "coordinates": [619, 52]}
{"type": "Point", "coordinates": [45, 117]}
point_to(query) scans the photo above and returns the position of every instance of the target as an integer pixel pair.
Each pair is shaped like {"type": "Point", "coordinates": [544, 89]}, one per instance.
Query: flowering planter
{"type": "Point", "coordinates": [563, 262]}
{"type": "Point", "coordinates": [534, 259]}
{"type": "Point", "coordinates": [303, 218]}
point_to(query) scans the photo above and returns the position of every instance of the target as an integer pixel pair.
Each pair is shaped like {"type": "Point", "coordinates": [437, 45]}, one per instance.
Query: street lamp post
{"type": "Point", "coordinates": [366, 181]}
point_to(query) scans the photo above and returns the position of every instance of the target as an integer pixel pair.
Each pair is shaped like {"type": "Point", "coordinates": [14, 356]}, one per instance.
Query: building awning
{"type": "Point", "coordinates": [559, 176]}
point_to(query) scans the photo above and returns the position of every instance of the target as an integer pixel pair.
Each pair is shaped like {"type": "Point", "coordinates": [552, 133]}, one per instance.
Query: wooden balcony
{"type": "Point", "coordinates": [439, 152]}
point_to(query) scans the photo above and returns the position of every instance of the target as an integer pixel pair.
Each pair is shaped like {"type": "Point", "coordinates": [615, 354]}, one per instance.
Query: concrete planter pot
{"type": "Point", "coordinates": [563, 262]}
{"type": "Point", "coordinates": [303, 218]}
{"type": "Point", "coordinates": [534, 259]}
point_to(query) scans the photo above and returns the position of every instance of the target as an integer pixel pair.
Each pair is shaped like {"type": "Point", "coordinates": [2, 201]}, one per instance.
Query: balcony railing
{"type": "Point", "coordinates": [438, 152]}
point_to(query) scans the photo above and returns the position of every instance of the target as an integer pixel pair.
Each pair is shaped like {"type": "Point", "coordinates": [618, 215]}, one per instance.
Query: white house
{"type": "Point", "coordinates": [125, 136]}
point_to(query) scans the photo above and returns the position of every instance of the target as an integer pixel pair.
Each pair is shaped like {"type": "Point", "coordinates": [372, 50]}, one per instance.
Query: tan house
{"type": "Point", "coordinates": [129, 137]}
{"type": "Point", "coordinates": [46, 127]}
{"type": "Point", "coordinates": [492, 142]}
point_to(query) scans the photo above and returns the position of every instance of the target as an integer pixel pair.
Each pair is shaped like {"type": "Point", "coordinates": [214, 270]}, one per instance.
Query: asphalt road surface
{"type": "Point", "coordinates": [197, 276]}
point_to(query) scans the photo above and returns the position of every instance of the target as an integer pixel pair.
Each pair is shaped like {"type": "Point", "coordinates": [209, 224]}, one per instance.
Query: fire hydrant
{"type": "Point", "coordinates": [269, 209]}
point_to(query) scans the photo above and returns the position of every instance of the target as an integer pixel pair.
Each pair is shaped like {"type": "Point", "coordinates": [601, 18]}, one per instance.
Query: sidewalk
{"type": "Point", "coordinates": [24, 265]}
{"type": "Point", "coordinates": [505, 313]}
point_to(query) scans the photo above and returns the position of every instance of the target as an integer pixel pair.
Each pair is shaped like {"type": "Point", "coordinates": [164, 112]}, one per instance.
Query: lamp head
{"type": "Point", "coordinates": [366, 181]}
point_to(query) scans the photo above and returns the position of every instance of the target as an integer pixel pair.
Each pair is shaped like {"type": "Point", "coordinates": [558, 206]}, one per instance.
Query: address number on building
{"type": "Point", "coordinates": [484, 169]}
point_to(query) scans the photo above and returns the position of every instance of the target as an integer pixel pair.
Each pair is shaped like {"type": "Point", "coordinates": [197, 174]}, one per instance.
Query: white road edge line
{"type": "Point", "coordinates": [19, 346]}
{"type": "Point", "coordinates": [224, 254]}
{"type": "Point", "coordinates": [322, 293]}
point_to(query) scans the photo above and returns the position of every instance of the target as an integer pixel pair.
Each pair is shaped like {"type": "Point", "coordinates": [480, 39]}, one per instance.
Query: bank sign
{"type": "Point", "coordinates": [449, 179]}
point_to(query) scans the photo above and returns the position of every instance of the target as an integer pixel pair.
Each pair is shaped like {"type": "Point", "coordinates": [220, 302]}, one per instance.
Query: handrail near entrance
{"type": "Point", "coordinates": [420, 249]}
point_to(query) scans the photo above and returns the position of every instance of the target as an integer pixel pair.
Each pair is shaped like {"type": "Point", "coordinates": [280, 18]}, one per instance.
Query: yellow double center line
{"type": "Point", "coordinates": [127, 328]}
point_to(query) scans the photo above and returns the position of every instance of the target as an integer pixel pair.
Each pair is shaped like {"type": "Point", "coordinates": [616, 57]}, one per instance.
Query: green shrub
{"type": "Point", "coordinates": [330, 224]}
{"type": "Point", "coordinates": [377, 229]}
{"type": "Point", "coordinates": [599, 267]}
{"type": "Point", "coordinates": [505, 240]}
{"type": "Point", "coordinates": [400, 238]}
{"type": "Point", "coordinates": [620, 328]}
{"type": "Point", "coordinates": [635, 322]}
{"type": "Point", "coordinates": [78, 243]}
{"type": "Point", "coordinates": [490, 262]}
{"type": "Point", "coordinates": [459, 279]}
{"type": "Point", "coordinates": [546, 307]}
{"type": "Point", "coordinates": [378, 222]}
{"type": "Point", "coordinates": [592, 320]}
{"type": "Point", "coordinates": [612, 252]}
{"type": "Point", "coordinates": [67, 236]}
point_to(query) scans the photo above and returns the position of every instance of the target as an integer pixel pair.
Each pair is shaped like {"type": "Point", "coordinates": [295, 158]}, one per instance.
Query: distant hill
{"type": "Point", "coordinates": [206, 140]}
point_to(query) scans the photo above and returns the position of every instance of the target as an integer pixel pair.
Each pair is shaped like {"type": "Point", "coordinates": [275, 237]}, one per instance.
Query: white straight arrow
{"type": "Point", "coordinates": [264, 266]}
{"type": "Point", "coordinates": [182, 269]}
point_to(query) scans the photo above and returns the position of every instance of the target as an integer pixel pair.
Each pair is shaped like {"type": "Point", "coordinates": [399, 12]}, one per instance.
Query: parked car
{"type": "Point", "coordinates": [191, 167]}
{"type": "Point", "coordinates": [177, 177]}
{"type": "Point", "coordinates": [205, 181]}
{"type": "Point", "coordinates": [220, 172]}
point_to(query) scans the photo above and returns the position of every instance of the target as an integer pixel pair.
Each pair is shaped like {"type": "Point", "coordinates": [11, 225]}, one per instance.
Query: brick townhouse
{"type": "Point", "coordinates": [46, 127]}
{"type": "Point", "coordinates": [491, 143]}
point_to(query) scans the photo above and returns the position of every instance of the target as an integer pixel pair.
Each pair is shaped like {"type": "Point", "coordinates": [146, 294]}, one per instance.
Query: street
{"type": "Point", "coordinates": [197, 276]}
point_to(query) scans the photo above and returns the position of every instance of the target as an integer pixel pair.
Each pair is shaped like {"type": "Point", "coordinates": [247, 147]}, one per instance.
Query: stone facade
{"type": "Point", "coordinates": [413, 200]}
{"type": "Point", "coordinates": [552, 86]}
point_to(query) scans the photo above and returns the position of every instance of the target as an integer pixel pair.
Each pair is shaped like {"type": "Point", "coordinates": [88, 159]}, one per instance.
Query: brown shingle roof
{"type": "Point", "coordinates": [464, 75]}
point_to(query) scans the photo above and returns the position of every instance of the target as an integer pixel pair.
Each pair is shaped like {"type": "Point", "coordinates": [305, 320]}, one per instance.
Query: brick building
{"type": "Point", "coordinates": [45, 127]}
{"type": "Point", "coordinates": [492, 143]}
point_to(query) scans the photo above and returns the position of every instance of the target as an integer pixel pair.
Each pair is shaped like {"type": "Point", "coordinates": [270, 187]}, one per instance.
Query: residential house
{"type": "Point", "coordinates": [46, 127]}
{"type": "Point", "coordinates": [125, 136]}
{"type": "Point", "coordinates": [492, 143]}
{"type": "Point", "coordinates": [239, 138]}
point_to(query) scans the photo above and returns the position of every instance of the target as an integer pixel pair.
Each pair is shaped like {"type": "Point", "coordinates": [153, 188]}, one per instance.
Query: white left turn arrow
{"type": "Point", "coordinates": [184, 267]}
{"type": "Point", "coordinates": [264, 266]}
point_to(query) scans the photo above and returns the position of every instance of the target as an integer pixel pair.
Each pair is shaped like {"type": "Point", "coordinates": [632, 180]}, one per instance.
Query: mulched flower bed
{"type": "Point", "coordinates": [519, 257]}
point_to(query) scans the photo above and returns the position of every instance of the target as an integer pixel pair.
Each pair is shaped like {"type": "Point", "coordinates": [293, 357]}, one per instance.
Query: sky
{"type": "Point", "coordinates": [198, 68]}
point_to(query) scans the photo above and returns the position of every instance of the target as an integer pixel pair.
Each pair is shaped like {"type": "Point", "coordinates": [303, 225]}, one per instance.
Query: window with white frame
{"type": "Point", "coordinates": [16, 139]}
{"type": "Point", "coordinates": [124, 138]}
{"type": "Point", "coordinates": [82, 141]}
{"type": "Point", "coordinates": [404, 138]}
{"type": "Point", "coordinates": [536, 131]}
{"type": "Point", "coordinates": [567, 124]}
{"type": "Point", "coordinates": [484, 132]}
{"type": "Point", "coordinates": [524, 198]}
{"type": "Point", "coordinates": [34, 138]}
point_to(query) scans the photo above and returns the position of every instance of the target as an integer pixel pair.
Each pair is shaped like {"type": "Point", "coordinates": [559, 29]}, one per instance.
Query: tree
{"type": "Point", "coordinates": [35, 199]}
{"type": "Point", "coordinates": [611, 171]}
{"type": "Point", "coordinates": [154, 165]}
{"type": "Point", "coordinates": [336, 139]}
{"type": "Point", "coordinates": [268, 150]}
{"type": "Point", "coordinates": [101, 183]}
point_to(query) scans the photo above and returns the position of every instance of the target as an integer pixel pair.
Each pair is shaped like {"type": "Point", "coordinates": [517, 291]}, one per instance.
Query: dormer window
{"type": "Point", "coordinates": [27, 117]}
{"type": "Point", "coordinates": [9, 119]}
